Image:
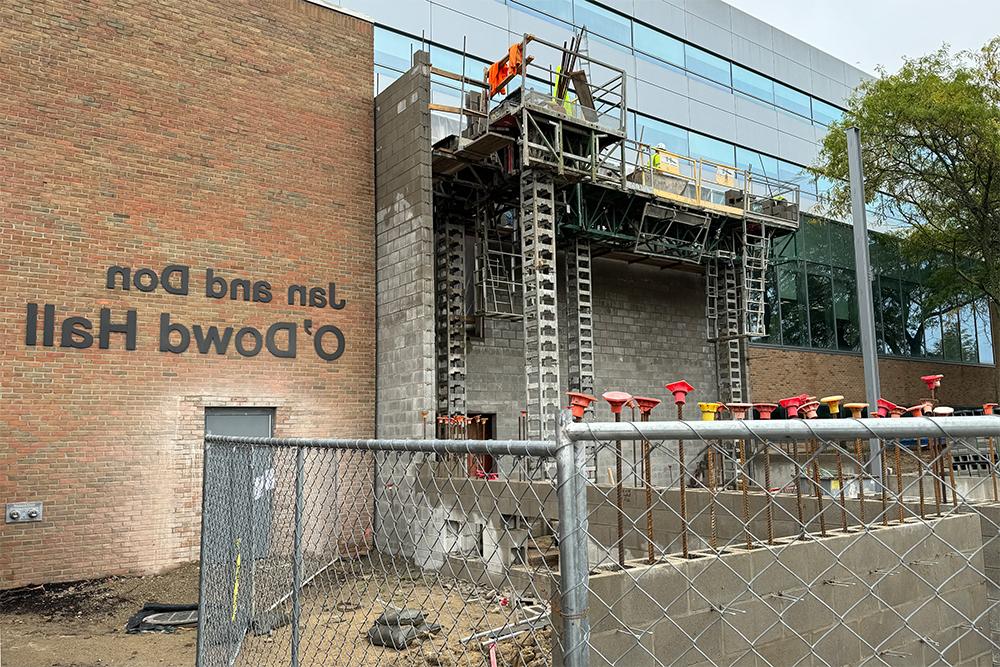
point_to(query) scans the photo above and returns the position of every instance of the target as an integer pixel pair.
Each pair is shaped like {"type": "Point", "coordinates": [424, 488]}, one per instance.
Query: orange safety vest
{"type": "Point", "coordinates": [502, 70]}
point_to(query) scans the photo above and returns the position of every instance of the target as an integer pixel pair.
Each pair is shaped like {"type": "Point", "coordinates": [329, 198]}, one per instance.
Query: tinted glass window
{"type": "Point", "coordinates": [655, 43]}
{"type": "Point", "coordinates": [984, 332]}
{"type": "Point", "coordinates": [601, 21]}
{"type": "Point", "coordinates": [825, 113]}
{"type": "Point", "coordinates": [712, 149]}
{"type": "Point", "coordinates": [791, 100]}
{"type": "Point", "coordinates": [752, 83]}
{"type": "Point", "coordinates": [706, 65]}
{"type": "Point", "coordinates": [654, 132]}
{"type": "Point", "coordinates": [560, 9]}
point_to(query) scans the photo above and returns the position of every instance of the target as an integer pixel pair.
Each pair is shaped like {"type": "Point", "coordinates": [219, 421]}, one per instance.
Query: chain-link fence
{"type": "Point", "coordinates": [793, 542]}
{"type": "Point", "coordinates": [739, 542]}
{"type": "Point", "coordinates": [422, 552]}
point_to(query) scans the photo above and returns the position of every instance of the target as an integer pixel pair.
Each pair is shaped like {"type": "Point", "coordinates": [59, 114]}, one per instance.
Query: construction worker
{"type": "Point", "coordinates": [664, 161]}
{"type": "Point", "coordinates": [567, 105]}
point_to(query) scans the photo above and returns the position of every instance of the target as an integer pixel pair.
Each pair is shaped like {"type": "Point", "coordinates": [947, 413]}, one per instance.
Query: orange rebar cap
{"type": "Point", "coordinates": [809, 409]}
{"type": "Point", "coordinates": [680, 391]}
{"type": "Point", "coordinates": [932, 381]}
{"type": "Point", "coordinates": [988, 408]}
{"type": "Point", "coordinates": [646, 404]}
{"type": "Point", "coordinates": [885, 407]}
{"type": "Point", "coordinates": [792, 403]}
{"type": "Point", "coordinates": [617, 400]}
{"type": "Point", "coordinates": [765, 409]}
{"type": "Point", "coordinates": [739, 410]}
{"type": "Point", "coordinates": [579, 402]}
{"type": "Point", "coordinates": [916, 410]}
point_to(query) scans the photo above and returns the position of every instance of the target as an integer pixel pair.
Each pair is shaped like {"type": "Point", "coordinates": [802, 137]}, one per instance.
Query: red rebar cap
{"type": "Point", "coordinates": [680, 391]}
{"type": "Point", "coordinates": [988, 408]}
{"type": "Point", "coordinates": [932, 381]}
{"type": "Point", "coordinates": [792, 403]}
{"type": "Point", "coordinates": [765, 409]}
{"type": "Point", "coordinates": [809, 409]}
{"type": "Point", "coordinates": [617, 400]}
{"type": "Point", "coordinates": [646, 404]}
{"type": "Point", "coordinates": [739, 410]}
{"type": "Point", "coordinates": [943, 411]}
{"type": "Point", "coordinates": [579, 402]}
{"type": "Point", "coordinates": [885, 407]}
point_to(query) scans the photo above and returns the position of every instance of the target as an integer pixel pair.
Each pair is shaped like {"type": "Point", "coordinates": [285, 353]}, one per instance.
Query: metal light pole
{"type": "Point", "coordinates": [863, 272]}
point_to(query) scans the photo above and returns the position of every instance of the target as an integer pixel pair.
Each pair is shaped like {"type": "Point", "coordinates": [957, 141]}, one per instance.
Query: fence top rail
{"type": "Point", "coordinates": [539, 448]}
{"type": "Point", "coordinates": [789, 429]}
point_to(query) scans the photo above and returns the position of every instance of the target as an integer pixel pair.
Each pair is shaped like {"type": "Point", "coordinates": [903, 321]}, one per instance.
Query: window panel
{"type": "Point", "coordinates": [772, 312]}
{"type": "Point", "coordinates": [393, 50]}
{"type": "Point", "coordinates": [984, 332]}
{"type": "Point", "coordinates": [821, 324]}
{"type": "Point", "coordinates": [656, 44]}
{"type": "Point", "coordinates": [892, 336]}
{"type": "Point", "coordinates": [654, 132]}
{"type": "Point", "coordinates": [792, 294]}
{"type": "Point", "coordinates": [705, 64]}
{"type": "Point", "coordinates": [753, 84]}
{"type": "Point", "coordinates": [707, 148]}
{"type": "Point", "coordinates": [815, 240]}
{"type": "Point", "coordinates": [951, 340]}
{"type": "Point", "coordinates": [601, 21]}
{"type": "Point", "coordinates": [932, 337]}
{"type": "Point", "coordinates": [560, 9]}
{"type": "Point", "coordinates": [756, 163]}
{"type": "Point", "coordinates": [841, 245]}
{"type": "Point", "coordinates": [914, 310]}
{"type": "Point", "coordinates": [824, 113]}
{"type": "Point", "coordinates": [792, 100]}
{"type": "Point", "coordinates": [845, 311]}
{"type": "Point", "coordinates": [967, 334]}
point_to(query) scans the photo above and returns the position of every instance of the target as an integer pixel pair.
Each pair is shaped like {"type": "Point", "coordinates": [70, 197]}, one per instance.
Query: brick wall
{"type": "Point", "coordinates": [776, 373]}
{"type": "Point", "coordinates": [234, 136]}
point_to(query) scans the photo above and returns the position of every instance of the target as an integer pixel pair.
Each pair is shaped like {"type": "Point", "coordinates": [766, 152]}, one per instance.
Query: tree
{"type": "Point", "coordinates": [931, 142]}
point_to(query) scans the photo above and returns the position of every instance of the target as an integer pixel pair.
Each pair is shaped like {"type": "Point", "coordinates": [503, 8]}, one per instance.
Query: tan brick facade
{"type": "Point", "coordinates": [233, 136]}
{"type": "Point", "coordinates": [776, 373]}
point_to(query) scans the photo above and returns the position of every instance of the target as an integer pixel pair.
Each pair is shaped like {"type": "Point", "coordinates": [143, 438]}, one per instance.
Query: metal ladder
{"type": "Point", "coordinates": [450, 332]}
{"type": "Point", "coordinates": [756, 252]}
{"type": "Point", "coordinates": [579, 299]}
{"type": "Point", "coordinates": [541, 318]}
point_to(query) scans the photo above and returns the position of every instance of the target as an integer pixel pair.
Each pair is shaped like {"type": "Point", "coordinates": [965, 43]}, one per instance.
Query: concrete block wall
{"type": "Point", "coordinates": [802, 598]}
{"type": "Point", "coordinates": [649, 329]}
{"type": "Point", "coordinates": [404, 250]}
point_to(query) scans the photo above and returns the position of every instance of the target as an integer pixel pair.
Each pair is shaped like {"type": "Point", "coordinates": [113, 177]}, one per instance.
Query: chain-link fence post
{"type": "Point", "coordinates": [300, 458]}
{"type": "Point", "coordinates": [573, 565]}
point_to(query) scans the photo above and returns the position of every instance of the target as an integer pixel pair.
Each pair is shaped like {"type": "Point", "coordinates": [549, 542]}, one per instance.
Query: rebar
{"type": "Point", "coordinates": [885, 490]}
{"type": "Point", "coordinates": [843, 493]}
{"type": "Point", "coordinates": [899, 480]}
{"type": "Point", "coordinates": [745, 490]}
{"type": "Point", "coordinates": [799, 512]}
{"type": "Point", "coordinates": [648, 478]}
{"type": "Point", "coordinates": [993, 466]}
{"type": "Point", "coordinates": [770, 496]}
{"type": "Point", "coordinates": [683, 487]}
{"type": "Point", "coordinates": [860, 466]}
{"type": "Point", "coordinates": [814, 453]}
{"type": "Point", "coordinates": [620, 500]}
{"type": "Point", "coordinates": [713, 536]}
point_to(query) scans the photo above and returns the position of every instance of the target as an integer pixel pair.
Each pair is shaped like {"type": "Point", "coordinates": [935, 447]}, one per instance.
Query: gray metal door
{"type": "Point", "coordinates": [242, 488]}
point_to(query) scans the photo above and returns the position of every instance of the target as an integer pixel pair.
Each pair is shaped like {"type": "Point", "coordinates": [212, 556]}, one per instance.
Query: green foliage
{"type": "Point", "coordinates": [931, 140]}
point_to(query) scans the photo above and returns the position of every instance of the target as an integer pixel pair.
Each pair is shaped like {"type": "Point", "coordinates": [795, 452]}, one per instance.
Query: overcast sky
{"type": "Point", "coordinates": [867, 33]}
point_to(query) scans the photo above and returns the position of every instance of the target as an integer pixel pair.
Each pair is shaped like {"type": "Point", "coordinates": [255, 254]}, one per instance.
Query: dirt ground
{"type": "Point", "coordinates": [83, 624]}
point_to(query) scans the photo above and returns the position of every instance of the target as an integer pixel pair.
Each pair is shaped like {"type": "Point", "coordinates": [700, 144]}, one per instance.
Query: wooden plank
{"type": "Point", "coordinates": [457, 77]}
{"type": "Point", "coordinates": [457, 110]}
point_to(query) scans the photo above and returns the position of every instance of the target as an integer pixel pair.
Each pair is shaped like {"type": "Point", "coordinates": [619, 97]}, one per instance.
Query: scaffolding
{"type": "Point", "coordinates": [543, 165]}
